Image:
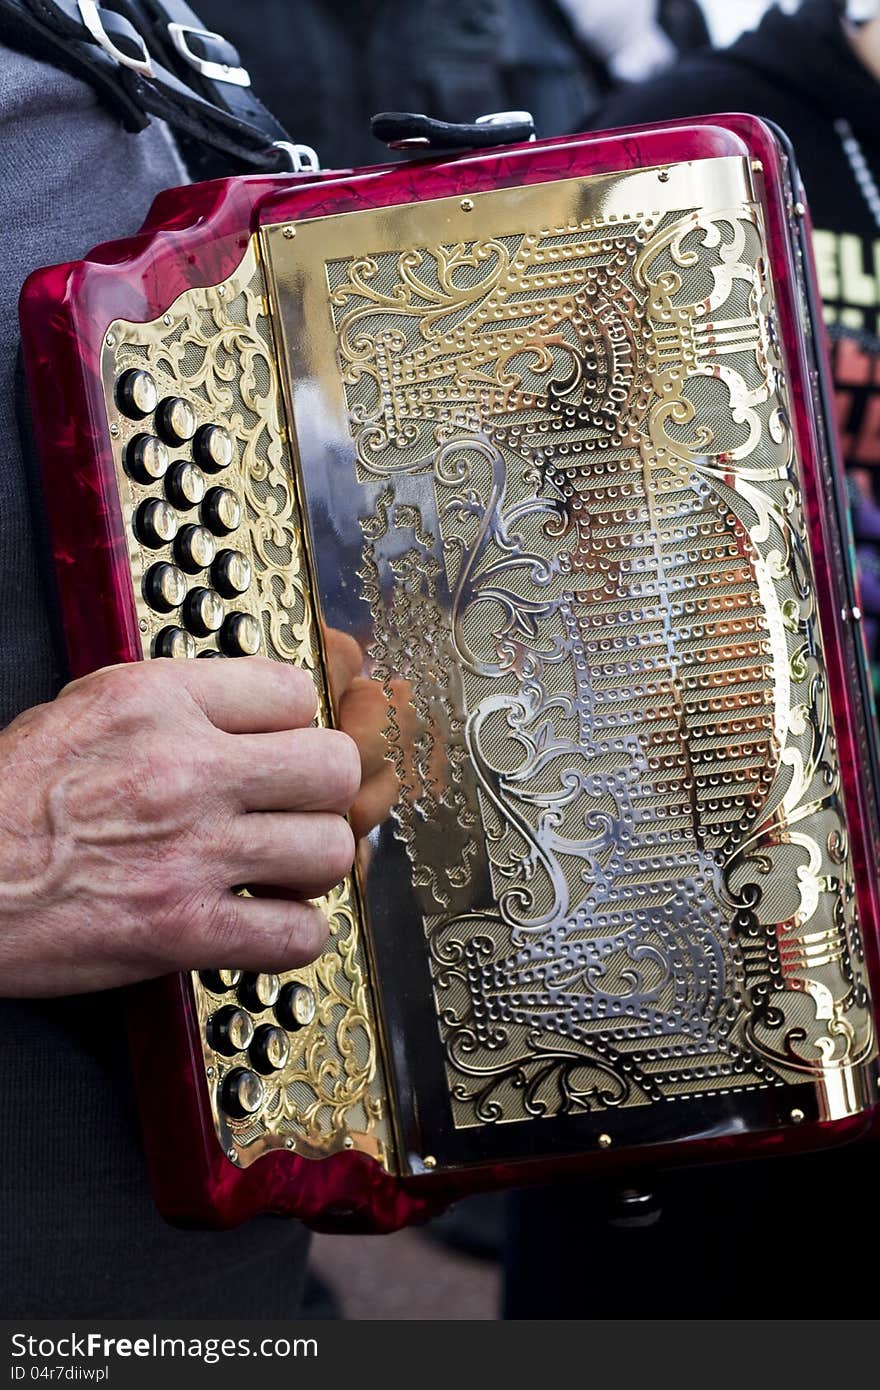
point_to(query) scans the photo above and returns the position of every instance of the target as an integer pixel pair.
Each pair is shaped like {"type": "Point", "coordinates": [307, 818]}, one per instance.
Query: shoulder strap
{"type": "Point", "coordinates": [151, 58]}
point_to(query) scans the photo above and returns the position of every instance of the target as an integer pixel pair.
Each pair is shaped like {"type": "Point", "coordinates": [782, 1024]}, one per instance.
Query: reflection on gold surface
{"type": "Point", "coordinates": [583, 545]}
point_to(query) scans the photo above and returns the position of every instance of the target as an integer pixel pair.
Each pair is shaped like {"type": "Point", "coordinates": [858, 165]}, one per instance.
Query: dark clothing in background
{"type": "Point", "coordinates": [569, 1255]}
{"type": "Point", "coordinates": [79, 1235]}
{"type": "Point", "coordinates": [326, 67]}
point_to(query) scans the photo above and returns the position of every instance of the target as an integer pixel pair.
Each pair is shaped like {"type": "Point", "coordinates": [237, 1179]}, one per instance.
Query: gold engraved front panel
{"type": "Point", "coordinates": [214, 350]}
{"type": "Point", "coordinates": [549, 428]}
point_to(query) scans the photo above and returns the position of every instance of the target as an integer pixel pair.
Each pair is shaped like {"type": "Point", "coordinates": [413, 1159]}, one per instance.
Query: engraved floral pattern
{"type": "Point", "coordinates": [607, 615]}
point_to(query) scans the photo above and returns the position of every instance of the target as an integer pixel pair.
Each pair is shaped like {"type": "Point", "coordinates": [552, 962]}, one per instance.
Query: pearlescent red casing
{"type": "Point", "coordinates": [195, 236]}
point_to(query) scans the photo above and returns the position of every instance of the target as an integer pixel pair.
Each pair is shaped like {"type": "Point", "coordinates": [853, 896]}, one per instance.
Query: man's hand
{"type": "Point", "coordinates": [133, 805]}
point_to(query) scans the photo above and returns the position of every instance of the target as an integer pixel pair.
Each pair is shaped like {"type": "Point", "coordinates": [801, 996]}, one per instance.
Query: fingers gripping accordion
{"type": "Point", "coordinates": [542, 429]}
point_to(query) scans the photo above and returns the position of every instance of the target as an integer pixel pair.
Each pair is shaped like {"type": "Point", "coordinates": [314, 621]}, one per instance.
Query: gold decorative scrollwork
{"type": "Point", "coordinates": [603, 598]}
{"type": "Point", "coordinates": [214, 347]}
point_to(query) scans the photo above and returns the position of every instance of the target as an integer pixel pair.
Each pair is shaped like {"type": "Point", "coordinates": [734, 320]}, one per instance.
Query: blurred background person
{"type": "Point", "coordinates": [325, 70]}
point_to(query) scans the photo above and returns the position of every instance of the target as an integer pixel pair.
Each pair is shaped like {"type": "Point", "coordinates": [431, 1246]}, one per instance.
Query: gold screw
{"type": "Point", "coordinates": [467, 204]}
{"type": "Point", "coordinates": [797, 1117]}
{"type": "Point", "coordinates": [429, 1161]}
{"type": "Point", "coordinates": [604, 1141]}
{"type": "Point", "coordinates": [289, 233]}
{"type": "Point", "coordinates": [757, 166]}
{"type": "Point", "coordinates": [800, 209]}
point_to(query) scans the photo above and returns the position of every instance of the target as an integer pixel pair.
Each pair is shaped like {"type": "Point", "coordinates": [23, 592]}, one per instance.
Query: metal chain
{"type": "Point", "coordinates": [859, 166]}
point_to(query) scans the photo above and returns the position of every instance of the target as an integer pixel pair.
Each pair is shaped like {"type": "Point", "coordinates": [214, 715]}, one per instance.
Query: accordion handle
{"type": "Point", "coordinates": [145, 59]}
{"type": "Point", "coordinates": [404, 130]}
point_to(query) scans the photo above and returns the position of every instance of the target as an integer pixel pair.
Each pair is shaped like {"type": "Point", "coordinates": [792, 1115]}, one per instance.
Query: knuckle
{"type": "Point", "coordinates": [164, 779]}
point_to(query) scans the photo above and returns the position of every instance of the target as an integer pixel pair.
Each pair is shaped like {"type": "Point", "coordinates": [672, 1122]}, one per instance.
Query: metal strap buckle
{"type": "Point", "coordinates": [91, 18]}
{"type": "Point", "coordinates": [215, 72]}
{"type": "Point", "coordinates": [303, 159]}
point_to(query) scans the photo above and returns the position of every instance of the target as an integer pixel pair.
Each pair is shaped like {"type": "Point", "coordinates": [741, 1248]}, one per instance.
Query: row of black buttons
{"type": "Point", "coordinates": [231, 1031]}
{"type": "Point", "coordinates": [293, 1003]}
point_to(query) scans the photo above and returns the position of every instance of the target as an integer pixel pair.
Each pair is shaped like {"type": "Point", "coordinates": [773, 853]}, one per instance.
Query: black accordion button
{"type": "Point", "coordinates": [194, 548]}
{"type": "Point", "coordinates": [174, 642]}
{"type": "Point", "coordinates": [213, 448]}
{"type": "Point", "coordinates": [155, 523]}
{"type": "Point", "coordinates": [231, 573]}
{"type": "Point", "coordinates": [146, 459]}
{"type": "Point", "coordinates": [136, 394]}
{"type": "Point", "coordinates": [242, 1093]}
{"type": "Point", "coordinates": [296, 1006]}
{"type": "Point", "coordinates": [240, 635]}
{"type": "Point", "coordinates": [164, 587]}
{"type": "Point", "coordinates": [259, 992]}
{"type": "Point", "coordinates": [219, 981]}
{"type": "Point", "coordinates": [203, 611]}
{"type": "Point", "coordinates": [270, 1049]}
{"type": "Point", "coordinates": [185, 485]}
{"type": "Point", "coordinates": [230, 1030]}
{"type": "Point", "coordinates": [176, 420]}
{"type": "Point", "coordinates": [221, 511]}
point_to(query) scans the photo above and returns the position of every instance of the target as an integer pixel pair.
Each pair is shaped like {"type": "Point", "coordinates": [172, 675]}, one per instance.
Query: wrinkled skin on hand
{"type": "Point", "coordinates": [134, 804]}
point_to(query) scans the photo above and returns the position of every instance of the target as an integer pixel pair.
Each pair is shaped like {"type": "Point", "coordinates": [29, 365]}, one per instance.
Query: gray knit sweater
{"type": "Point", "coordinates": [79, 1236]}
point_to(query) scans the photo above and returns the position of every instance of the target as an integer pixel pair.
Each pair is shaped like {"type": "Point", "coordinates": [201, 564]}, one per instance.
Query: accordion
{"type": "Point", "coordinates": [545, 430]}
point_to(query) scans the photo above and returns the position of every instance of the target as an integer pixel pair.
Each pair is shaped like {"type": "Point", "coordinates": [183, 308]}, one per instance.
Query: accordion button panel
{"type": "Point", "coordinates": [155, 523]}
{"type": "Point", "coordinates": [165, 587]}
{"type": "Point", "coordinates": [241, 1093]}
{"type": "Point", "coordinates": [221, 511]}
{"type": "Point", "coordinates": [231, 573]}
{"type": "Point", "coordinates": [230, 1030]}
{"type": "Point", "coordinates": [174, 642]}
{"type": "Point", "coordinates": [203, 611]}
{"type": "Point", "coordinates": [206, 485]}
{"type": "Point", "coordinates": [258, 992]}
{"type": "Point", "coordinates": [176, 420]}
{"type": "Point", "coordinates": [185, 485]}
{"type": "Point", "coordinates": [136, 394]}
{"type": "Point", "coordinates": [194, 548]}
{"type": "Point", "coordinates": [270, 1049]}
{"type": "Point", "coordinates": [146, 459]}
{"type": "Point", "coordinates": [240, 635]}
{"type": "Point", "coordinates": [296, 1006]}
{"type": "Point", "coordinates": [213, 448]}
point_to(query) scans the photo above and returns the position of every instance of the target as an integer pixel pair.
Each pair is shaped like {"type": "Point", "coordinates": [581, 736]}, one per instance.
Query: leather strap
{"type": "Point", "coordinates": [147, 58]}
